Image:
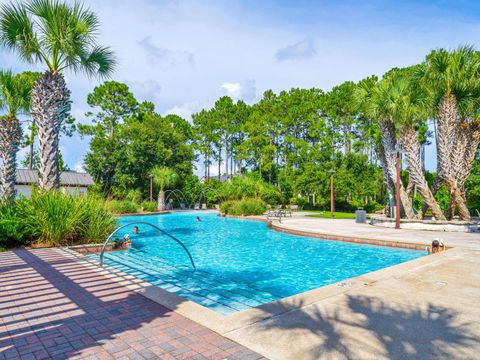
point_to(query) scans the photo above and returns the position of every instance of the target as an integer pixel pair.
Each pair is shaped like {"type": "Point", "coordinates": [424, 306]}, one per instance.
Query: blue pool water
{"type": "Point", "coordinates": [241, 263]}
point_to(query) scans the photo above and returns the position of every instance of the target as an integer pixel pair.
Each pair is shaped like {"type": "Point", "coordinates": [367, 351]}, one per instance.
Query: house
{"type": "Point", "coordinates": [71, 182]}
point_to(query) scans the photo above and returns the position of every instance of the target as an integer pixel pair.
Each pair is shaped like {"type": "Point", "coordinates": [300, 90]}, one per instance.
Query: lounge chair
{"type": "Point", "coordinates": [196, 206]}
{"type": "Point", "coordinates": [204, 206]}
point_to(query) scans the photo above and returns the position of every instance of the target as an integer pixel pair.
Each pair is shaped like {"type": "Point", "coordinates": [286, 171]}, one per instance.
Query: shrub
{"type": "Point", "coordinates": [149, 206]}
{"type": "Point", "coordinates": [53, 218]}
{"type": "Point", "coordinates": [244, 207]}
{"type": "Point", "coordinates": [12, 228]}
{"type": "Point", "coordinates": [99, 222]}
{"type": "Point", "coordinates": [121, 207]}
{"type": "Point", "coordinates": [134, 195]}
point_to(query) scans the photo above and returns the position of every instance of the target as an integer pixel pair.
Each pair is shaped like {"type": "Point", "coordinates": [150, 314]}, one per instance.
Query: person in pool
{"type": "Point", "coordinates": [135, 230]}
{"type": "Point", "coordinates": [198, 218]}
{"type": "Point", "coordinates": [117, 244]}
{"type": "Point", "coordinates": [437, 246]}
{"type": "Point", "coordinates": [126, 241]}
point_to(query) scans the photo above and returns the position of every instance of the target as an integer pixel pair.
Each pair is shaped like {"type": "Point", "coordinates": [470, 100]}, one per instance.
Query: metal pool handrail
{"type": "Point", "coordinates": [155, 227]}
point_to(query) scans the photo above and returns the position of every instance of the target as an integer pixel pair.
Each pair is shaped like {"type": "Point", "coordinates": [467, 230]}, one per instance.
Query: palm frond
{"type": "Point", "coordinates": [100, 60]}
{"type": "Point", "coordinates": [14, 93]}
{"type": "Point", "coordinates": [61, 34]}
{"type": "Point", "coordinates": [17, 32]}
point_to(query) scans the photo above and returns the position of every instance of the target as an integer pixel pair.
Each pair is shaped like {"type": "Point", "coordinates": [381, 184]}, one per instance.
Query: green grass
{"type": "Point", "coordinates": [336, 215]}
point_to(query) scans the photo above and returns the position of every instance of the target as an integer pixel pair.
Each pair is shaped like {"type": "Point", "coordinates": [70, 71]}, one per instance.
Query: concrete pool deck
{"type": "Point", "coordinates": [422, 309]}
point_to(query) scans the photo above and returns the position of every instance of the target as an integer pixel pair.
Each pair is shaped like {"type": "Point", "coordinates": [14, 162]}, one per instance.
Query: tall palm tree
{"type": "Point", "coordinates": [61, 36]}
{"type": "Point", "coordinates": [14, 99]}
{"type": "Point", "coordinates": [163, 177]}
{"type": "Point", "coordinates": [374, 98]}
{"type": "Point", "coordinates": [407, 106]}
{"type": "Point", "coordinates": [450, 76]}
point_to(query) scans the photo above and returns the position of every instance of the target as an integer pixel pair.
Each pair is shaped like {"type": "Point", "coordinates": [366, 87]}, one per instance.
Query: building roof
{"type": "Point", "coordinates": [67, 178]}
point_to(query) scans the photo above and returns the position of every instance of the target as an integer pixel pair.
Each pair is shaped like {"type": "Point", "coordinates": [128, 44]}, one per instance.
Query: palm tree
{"type": "Point", "coordinates": [374, 99]}
{"type": "Point", "coordinates": [61, 36]}
{"type": "Point", "coordinates": [14, 99]}
{"type": "Point", "coordinates": [450, 78]}
{"type": "Point", "coordinates": [407, 106]}
{"type": "Point", "coordinates": [163, 177]}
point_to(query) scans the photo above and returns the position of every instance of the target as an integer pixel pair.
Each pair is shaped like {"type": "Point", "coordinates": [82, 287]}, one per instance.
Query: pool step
{"type": "Point", "coordinates": [219, 293]}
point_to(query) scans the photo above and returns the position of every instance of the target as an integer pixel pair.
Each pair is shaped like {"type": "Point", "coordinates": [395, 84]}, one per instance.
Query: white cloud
{"type": "Point", "coordinates": [232, 89]}
{"type": "Point", "coordinates": [149, 90]}
{"type": "Point", "coordinates": [78, 167]}
{"type": "Point", "coordinates": [237, 91]}
{"type": "Point", "coordinates": [304, 49]}
{"type": "Point", "coordinates": [165, 57]}
{"type": "Point", "coordinates": [185, 110]}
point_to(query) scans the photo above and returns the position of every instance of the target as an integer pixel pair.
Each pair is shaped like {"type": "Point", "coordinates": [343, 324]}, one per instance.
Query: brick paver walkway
{"type": "Point", "coordinates": [54, 307]}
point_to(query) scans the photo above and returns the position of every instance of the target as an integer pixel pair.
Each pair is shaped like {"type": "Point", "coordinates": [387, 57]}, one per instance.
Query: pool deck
{"type": "Point", "coordinates": [57, 306]}
{"type": "Point", "coordinates": [422, 309]}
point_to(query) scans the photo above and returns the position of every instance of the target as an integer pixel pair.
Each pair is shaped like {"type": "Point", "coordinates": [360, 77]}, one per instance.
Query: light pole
{"type": "Point", "coordinates": [332, 200]}
{"type": "Point", "coordinates": [397, 190]}
{"type": "Point", "coordinates": [151, 187]}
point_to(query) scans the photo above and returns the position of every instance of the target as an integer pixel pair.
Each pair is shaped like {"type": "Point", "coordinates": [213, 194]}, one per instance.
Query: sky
{"type": "Point", "coordinates": [183, 55]}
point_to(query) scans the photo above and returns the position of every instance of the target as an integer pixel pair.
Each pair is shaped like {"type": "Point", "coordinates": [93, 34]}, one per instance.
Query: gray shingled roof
{"type": "Point", "coordinates": [69, 178]}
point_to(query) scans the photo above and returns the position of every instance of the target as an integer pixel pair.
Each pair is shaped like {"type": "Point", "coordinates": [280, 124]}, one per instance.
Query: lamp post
{"type": "Point", "coordinates": [332, 200]}
{"type": "Point", "coordinates": [151, 187]}
{"type": "Point", "coordinates": [397, 190]}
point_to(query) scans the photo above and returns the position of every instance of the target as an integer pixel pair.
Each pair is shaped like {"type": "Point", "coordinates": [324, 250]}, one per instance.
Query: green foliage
{"type": "Point", "coordinates": [134, 195]}
{"type": "Point", "coordinates": [12, 228]}
{"type": "Point", "coordinates": [129, 139]}
{"type": "Point", "coordinates": [164, 177]}
{"type": "Point", "coordinates": [15, 92]}
{"type": "Point", "coordinates": [59, 34]}
{"type": "Point", "coordinates": [284, 146]}
{"type": "Point", "coordinates": [62, 166]}
{"type": "Point", "coordinates": [243, 207]}
{"type": "Point", "coordinates": [473, 187]}
{"type": "Point", "coordinates": [251, 185]}
{"type": "Point", "coordinates": [149, 206]}
{"type": "Point", "coordinates": [121, 207]}
{"type": "Point", "coordinates": [54, 219]}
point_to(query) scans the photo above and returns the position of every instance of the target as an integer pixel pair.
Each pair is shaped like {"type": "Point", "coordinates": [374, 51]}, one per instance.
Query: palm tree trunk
{"type": "Point", "coordinates": [467, 139]}
{"type": "Point", "coordinates": [435, 187]}
{"type": "Point", "coordinates": [411, 146]}
{"type": "Point", "coordinates": [388, 180]}
{"type": "Point", "coordinates": [387, 130]}
{"type": "Point", "coordinates": [50, 104]}
{"type": "Point", "coordinates": [30, 149]}
{"type": "Point", "coordinates": [226, 159]}
{"type": "Point", "coordinates": [161, 200]}
{"type": "Point", "coordinates": [447, 113]}
{"type": "Point", "coordinates": [10, 135]}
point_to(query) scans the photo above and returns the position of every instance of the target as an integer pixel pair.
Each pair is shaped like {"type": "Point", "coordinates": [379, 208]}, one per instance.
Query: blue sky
{"type": "Point", "coordinates": [183, 55]}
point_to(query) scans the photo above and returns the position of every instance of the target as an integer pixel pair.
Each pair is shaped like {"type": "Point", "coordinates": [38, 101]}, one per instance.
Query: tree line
{"type": "Point", "coordinates": [293, 140]}
{"type": "Point", "coordinates": [285, 136]}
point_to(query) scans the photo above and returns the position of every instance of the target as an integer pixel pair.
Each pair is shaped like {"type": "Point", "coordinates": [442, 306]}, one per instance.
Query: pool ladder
{"type": "Point", "coordinates": [156, 228]}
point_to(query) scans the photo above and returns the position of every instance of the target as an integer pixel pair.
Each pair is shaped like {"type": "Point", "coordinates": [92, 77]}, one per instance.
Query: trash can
{"type": "Point", "coordinates": [360, 216]}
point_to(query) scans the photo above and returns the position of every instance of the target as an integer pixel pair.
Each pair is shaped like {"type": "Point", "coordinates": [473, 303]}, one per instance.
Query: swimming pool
{"type": "Point", "coordinates": [241, 263]}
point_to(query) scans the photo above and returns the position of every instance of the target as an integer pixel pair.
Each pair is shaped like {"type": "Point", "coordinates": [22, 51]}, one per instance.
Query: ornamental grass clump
{"type": "Point", "coordinates": [51, 218]}
{"type": "Point", "coordinates": [121, 207]}
{"type": "Point", "coordinates": [243, 207]}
